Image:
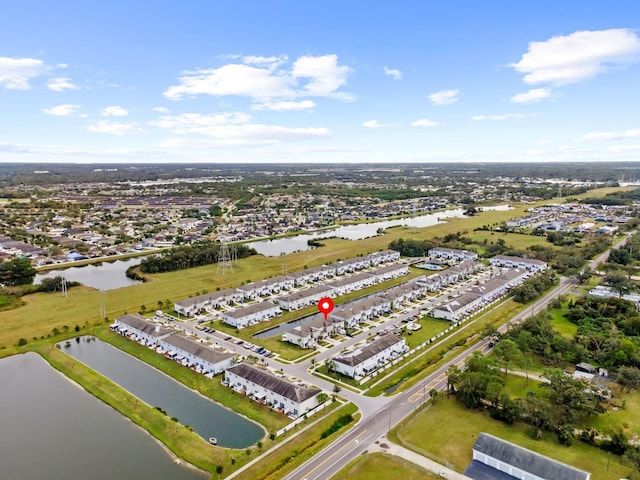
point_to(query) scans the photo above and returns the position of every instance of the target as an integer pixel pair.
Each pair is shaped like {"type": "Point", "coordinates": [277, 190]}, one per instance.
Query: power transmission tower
{"type": "Point", "coordinates": [63, 284]}
{"type": "Point", "coordinates": [225, 260]}
{"type": "Point", "coordinates": [103, 310]}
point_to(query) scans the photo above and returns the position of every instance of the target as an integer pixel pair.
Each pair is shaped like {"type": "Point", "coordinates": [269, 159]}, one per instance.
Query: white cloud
{"type": "Point", "coordinates": [373, 124]}
{"type": "Point", "coordinates": [62, 110]}
{"type": "Point", "coordinates": [504, 116]}
{"type": "Point", "coordinates": [634, 133]}
{"type": "Point", "coordinates": [15, 73]}
{"type": "Point", "coordinates": [231, 128]}
{"type": "Point", "coordinates": [60, 84]}
{"type": "Point", "coordinates": [393, 72]}
{"type": "Point", "coordinates": [263, 79]}
{"type": "Point", "coordinates": [623, 148]}
{"type": "Point", "coordinates": [114, 111]}
{"type": "Point", "coordinates": [424, 122]}
{"type": "Point", "coordinates": [444, 97]}
{"type": "Point", "coordinates": [247, 134]}
{"type": "Point", "coordinates": [232, 79]}
{"type": "Point", "coordinates": [566, 59]}
{"type": "Point", "coordinates": [115, 128]}
{"type": "Point", "coordinates": [533, 95]}
{"type": "Point", "coordinates": [284, 105]}
{"type": "Point", "coordinates": [270, 63]}
{"type": "Point", "coordinates": [160, 109]}
{"type": "Point", "coordinates": [325, 76]}
{"type": "Point", "coordinates": [195, 122]}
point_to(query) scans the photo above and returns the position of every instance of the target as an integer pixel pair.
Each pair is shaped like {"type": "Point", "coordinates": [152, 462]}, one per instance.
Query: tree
{"type": "Point", "coordinates": [619, 282]}
{"type": "Point", "coordinates": [507, 352]}
{"type": "Point", "coordinates": [435, 395]}
{"type": "Point", "coordinates": [453, 376]}
{"type": "Point", "coordinates": [628, 377]}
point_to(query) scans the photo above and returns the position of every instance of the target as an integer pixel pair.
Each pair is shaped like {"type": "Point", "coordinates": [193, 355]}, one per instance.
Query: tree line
{"type": "Point", "coordinates": [188, 256]}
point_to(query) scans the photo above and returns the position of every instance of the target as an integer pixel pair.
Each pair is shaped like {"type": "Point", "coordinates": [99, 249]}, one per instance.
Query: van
{"type": "Point", "coordinates": [159, 313]}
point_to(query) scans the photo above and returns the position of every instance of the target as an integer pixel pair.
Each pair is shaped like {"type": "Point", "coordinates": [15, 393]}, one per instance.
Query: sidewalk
{"type": "Point", "coordinates": [385, 446]}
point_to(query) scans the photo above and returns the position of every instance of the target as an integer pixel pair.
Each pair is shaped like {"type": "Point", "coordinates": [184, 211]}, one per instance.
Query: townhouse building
{"type": "Point", "coordinates": [245, 316]}
{"type": "Point", "coordinates": [368, 358]}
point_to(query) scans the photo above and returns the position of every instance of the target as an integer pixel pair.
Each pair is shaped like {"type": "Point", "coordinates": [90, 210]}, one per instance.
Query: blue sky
{"type": "Point", "coordinates": [319, 81]}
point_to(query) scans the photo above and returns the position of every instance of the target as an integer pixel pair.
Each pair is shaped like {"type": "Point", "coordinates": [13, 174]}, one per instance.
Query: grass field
{"type": "Point", "coordinates": [561, 324]}
{"type": "Point", "coordinates": [517, 386]}
{"type": "Point", "coordinates": [454, 429]}
{"type": "Point", "coordinates": [380, 466]}
{"type": "Point", "coordinates": [519, 241]}
{"type": "Point", "coordinates": [626, 415]}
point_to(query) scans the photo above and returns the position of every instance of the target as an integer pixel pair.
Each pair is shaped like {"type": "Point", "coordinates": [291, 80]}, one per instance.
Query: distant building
{"type": "Point", "coordinates": [452, 254]}
{"type": "Point", "coordinates": [530, 264]}
{"type": "Point", "coordinates": [494, 458]}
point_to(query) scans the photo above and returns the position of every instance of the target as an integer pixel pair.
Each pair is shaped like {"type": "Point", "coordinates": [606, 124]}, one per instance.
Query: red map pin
{"type": "Point", "coordinates": [325, 305]}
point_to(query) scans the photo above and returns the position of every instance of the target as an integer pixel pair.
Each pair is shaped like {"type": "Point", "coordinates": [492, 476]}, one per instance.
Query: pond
{"type": "Point", "coordinates": [207, 418]}
{"type": "Point", "coordinates": [284, 246]}
{"type": "Point", "coordinates": [53, 429]}
{"type": "Point", "coordinates": [102, 276]}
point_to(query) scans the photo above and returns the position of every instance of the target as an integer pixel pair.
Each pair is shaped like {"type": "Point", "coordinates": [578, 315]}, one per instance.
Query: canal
{"type": "Point", "coordinates": [207, 418]}
{"type": "Point", "coordinates": [52, 429]}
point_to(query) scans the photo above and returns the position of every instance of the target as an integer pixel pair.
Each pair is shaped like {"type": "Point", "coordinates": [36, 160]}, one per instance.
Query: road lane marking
{"type": "Point", "coordinates": [335, 453]}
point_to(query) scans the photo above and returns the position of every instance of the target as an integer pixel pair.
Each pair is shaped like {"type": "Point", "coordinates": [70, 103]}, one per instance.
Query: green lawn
{"type": "Point", "coordinates": [453, 430]}
{"type": "Point", "coordinates": [380, 466]}
{"type": "Point", "coordinates": [430, 328]}
{"type": "Point", "coordinates": [519, 241]}
{"type": "Point", "coordinates": [561, 324]}
{"type": "Point", "coordinates": [517, 386]}
{"type": "Point", "coordinates": [626, 414]}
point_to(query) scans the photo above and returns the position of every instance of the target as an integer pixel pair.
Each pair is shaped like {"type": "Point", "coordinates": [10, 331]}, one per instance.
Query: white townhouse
{"type": "Point", "coordinates": [452, 254]}
{"type": "Point", "coordinates": [311, 275]}
{"type": "Point", "coordinates": [290, 398]}
{"type": "Point", "coordinates": [136, 328]}
{"type": "Point", "coordinates": [389, 272]}
{"type": "Point", "coordinates": [384, 256]}
{"type": "Point", "coordinates": [361, 310]}
{"type": "Point", "coordinates": [197, 355]}
{"type": "Point", "coordinates": [265, 287]}
{"type": "Point", "coordinates": [515, 276]}
{"type": "Point", "coordinates": [492, 289]}
{"type": "Point", "coordinates": [530, 264]}
{"type": "Point", "coordinates": [432, 283]}
{"type": "Point", "coordinates": [365, 360]}
{"type": "Point", "coordinates": [222, 298]}
{"type": "Point", "coordinates": [258, 312]}
{"type": "Point", "coordinates": [401, 294]}
{"type": "Point", "coordinates": [352, 283]}
{"type": "Point", "coordinates": [309, 334]}
{"type": "Point", "coordinates": [303, 298]}
{"type": "Point", "coordinates": [494, 457]}
{"type": "Point", "coordinates": [351, 265]}
{"type": "Point", "coordinates": [458, 308]}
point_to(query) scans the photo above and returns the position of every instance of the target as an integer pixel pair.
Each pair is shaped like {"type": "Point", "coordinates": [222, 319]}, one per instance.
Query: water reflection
{"type": "Point", "coordinates": [52, 429]}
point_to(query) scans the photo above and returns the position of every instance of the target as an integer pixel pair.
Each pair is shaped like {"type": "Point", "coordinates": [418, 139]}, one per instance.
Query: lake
{"type": "Point", "coordinates": [103, 276]}
{"type": "Point", "coordinates": [53, 429]}
{"type": "Point", "coordinates": [207, 418]}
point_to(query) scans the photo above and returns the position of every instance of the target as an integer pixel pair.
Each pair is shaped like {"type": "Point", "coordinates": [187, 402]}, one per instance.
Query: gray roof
{"type": "Point", "coordinates": [305, 293]}
{"type": "Point", "coordinates": [349, 280]}
{"type": "Point", "coordinates": [187, 302]}
{"type": "Point", "coordinates": [393, 267]}
{"type": "Point", "coordinates": [370, 350]}
{"type": "Point", "coordinates": [509, 258]}
{"type": "Point", "coordinates": [527, 460]}
{"type": "Point", "coordinates": [251, 309]}
{"type": "Point", "coordinates": [275, 384]}
{"type": "Point", "coordinates": [137, 322]}
{"type": "Point", "coordinates": [489, 287]}
{"type": "Point", "coordinates": [198, 349]}
{"type": "Point", "coordinates": [458, 303]}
